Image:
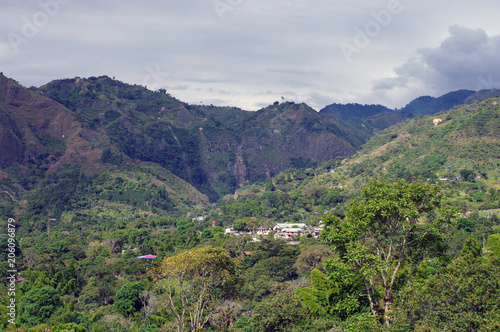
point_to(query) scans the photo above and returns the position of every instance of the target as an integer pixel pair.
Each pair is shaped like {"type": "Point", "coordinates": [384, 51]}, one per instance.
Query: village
{"type": "Point", "coordinates": [290, 232]}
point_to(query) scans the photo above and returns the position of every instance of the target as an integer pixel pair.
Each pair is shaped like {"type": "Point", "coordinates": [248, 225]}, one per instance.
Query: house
{"type": "Point", "coordinates": [263, 230]}
{"type": "Point", "coordinates": [289, 233]}
{"type": "Point", "coordinates": [314, 231]}
{"type": "Point", "coordinates": [289, 230]}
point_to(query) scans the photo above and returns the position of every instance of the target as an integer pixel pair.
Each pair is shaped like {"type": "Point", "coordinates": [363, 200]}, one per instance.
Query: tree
{"type": "Point", "coordinates": [310, 257]}
{"type": "Point", "coordinates": [225, 314]}
{"type": "Point", "coordinates": [68, 327]}
{"type": "Point", "coordinates": [468, 175]}
{"type": "Point", "coordinates": [127, 300]}
{"type": "Point", "coordinates": [464, 296]}
{"type": "Point", "coordinates": [466, 224]}
{"type": "Point", "coordinates": [269, 186]}
{"type": "Point", "coordinates": [337, 295]}
{"type": "Point", "coordinates": [389, 228]}
{"type": "Point", "coordinates": [279, 312]}
{"type": "Point", "coordinates": [194, 282]}
{"type": "Point", "coordinates": [239, 225]}
{"type": "Point", "coordinates": [37, 305]}
{"type": "Point", "coordinates": [493, 244]}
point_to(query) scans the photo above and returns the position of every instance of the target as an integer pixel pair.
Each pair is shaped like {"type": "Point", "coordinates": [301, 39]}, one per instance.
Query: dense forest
{"type": "Point", "coordinates": [90, 278]}
{"type": "Point", "coordinates": [407, 227]}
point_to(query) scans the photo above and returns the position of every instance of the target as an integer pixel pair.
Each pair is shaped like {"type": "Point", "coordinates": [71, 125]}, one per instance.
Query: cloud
{"type": "Point", "coordinates": [467, 59]}
{"type": "Point", "coordinates": [260, 50]}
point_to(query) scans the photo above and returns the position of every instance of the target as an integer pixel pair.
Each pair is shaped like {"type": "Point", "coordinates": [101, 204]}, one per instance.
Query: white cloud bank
{"type": "Point", "coordinates": [467, 59]}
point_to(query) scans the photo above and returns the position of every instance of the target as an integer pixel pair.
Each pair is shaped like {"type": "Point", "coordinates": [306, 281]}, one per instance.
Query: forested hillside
{"type": "Point", "coordinates": [216, 149]}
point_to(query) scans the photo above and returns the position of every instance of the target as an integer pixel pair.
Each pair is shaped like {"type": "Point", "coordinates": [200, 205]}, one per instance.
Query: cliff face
{"type": "Point", "coordinates": [284, 135]}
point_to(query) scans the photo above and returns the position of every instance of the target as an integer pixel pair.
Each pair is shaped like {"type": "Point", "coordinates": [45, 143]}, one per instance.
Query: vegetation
{"type": "Point", "coordinates": [410, 238]}
{"type": "Point", "coordinates": [384, 233]}
{"type": "Point", "coordinates": [194, 282]}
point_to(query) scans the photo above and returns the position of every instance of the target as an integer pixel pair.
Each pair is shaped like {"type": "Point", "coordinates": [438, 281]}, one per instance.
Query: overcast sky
{"type": "Point", "coordinates": [250, 53]}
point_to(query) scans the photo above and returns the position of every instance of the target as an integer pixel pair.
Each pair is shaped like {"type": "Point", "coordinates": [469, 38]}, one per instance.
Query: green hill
{"type": "Point", "coordinates": [367, 120]}
{"type": "Point", "coordinates": [458, 149]}
{"type": "Point", "coordinates": [54, 165]}
{"type": "Point", "coordinates": [465, 137]}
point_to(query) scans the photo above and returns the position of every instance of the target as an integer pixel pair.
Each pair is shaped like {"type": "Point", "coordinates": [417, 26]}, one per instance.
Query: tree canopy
{"type": "Point", "coordinates": [195, 280]}
{"type": "Point", "coordinates": [390, 227]}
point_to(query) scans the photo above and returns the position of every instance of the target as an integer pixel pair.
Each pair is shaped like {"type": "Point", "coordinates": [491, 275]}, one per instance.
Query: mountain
{"type": "Point", "coordinates": [482, 95]}
{"type": "Point", "coordinates": [427, 105]}
{"type": "Point", "coordinates": [458, 149]}
{"type": "Point", "coordinates": [216, 149]}
{"type": "Point", "coordinates": [349, 111]}
{"type": "Point", "coordinates": [365, 120]}
{"type": "Point", "coordinates": [368, 119]}
{"type": "Point", "coordinates": [439, 146]}
{"type": "Point", "coordinates": [99, 124]}
{"type": "Point", "coordinates": [53, 163]}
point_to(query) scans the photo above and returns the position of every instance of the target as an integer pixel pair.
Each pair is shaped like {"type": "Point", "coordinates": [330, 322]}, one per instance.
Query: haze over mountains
{"type": "Point", "coordinates": [98, 123]}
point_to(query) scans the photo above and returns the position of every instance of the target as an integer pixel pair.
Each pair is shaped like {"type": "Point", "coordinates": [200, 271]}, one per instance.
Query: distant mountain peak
{"type": "Point", "coordinates": [427, 105]}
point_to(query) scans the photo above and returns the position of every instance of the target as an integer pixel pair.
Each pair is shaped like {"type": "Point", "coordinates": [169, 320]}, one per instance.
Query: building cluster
{"type": "Point", "coordinates": [285, 231]}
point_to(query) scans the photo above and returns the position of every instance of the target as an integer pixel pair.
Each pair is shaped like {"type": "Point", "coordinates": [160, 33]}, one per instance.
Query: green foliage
{"type": "Point", "coordinates": [311, 257]}
{"type": "Point", "coordinates": [240, 225]}
{"type": "Point", "coordinates": [493, 244]}
{"type": "Point", "coordinates": [245, 323]}
{"type": "Point", "coordinates": [295, 199]}
{"type": "Point", "coordinates": [471, 250]}
{"type": "Point", "coordinates": [261, 278]}
{"type": "Point", "coordinates": [379, 232]}
{"type": "Point", "coordinates": [279, 313]}
{"type": "Point", "coordinates": [38, 305]}
{"type": "Point", "coordinates": [466, 224]}
{"type": "Point", "coordinates": [193, 280]}
{"type": "Point", "coordinates": [270, 264]}
{"type": "Point", "coordinates": [269, 186]}
{"type": "Point", "coordinates": [69, 327]}
{"type": "Point", "coordinates": [468, 175]}
{"type": "Point", "coordinates": [464, 297]}
{"type": "Point", "coordinates": [340, 294]}
{"type": "Point", "coordinates": [127, 301]}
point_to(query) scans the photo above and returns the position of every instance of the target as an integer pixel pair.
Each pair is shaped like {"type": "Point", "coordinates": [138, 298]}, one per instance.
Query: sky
{"type": "Point", "coordinates": [251, 53]}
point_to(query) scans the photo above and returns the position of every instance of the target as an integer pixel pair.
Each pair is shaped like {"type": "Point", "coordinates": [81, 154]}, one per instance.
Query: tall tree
{"type": "Point", "coordinates": [390, 227]}
{"type": "Point", "coordinates": [194, 282]}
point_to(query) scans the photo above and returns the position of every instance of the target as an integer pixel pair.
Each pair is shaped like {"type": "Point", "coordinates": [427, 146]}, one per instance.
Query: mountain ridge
{"type": "Point", "coordinates": [102, 123]}
{"type": "Point", "coordinates": [114, 122]}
